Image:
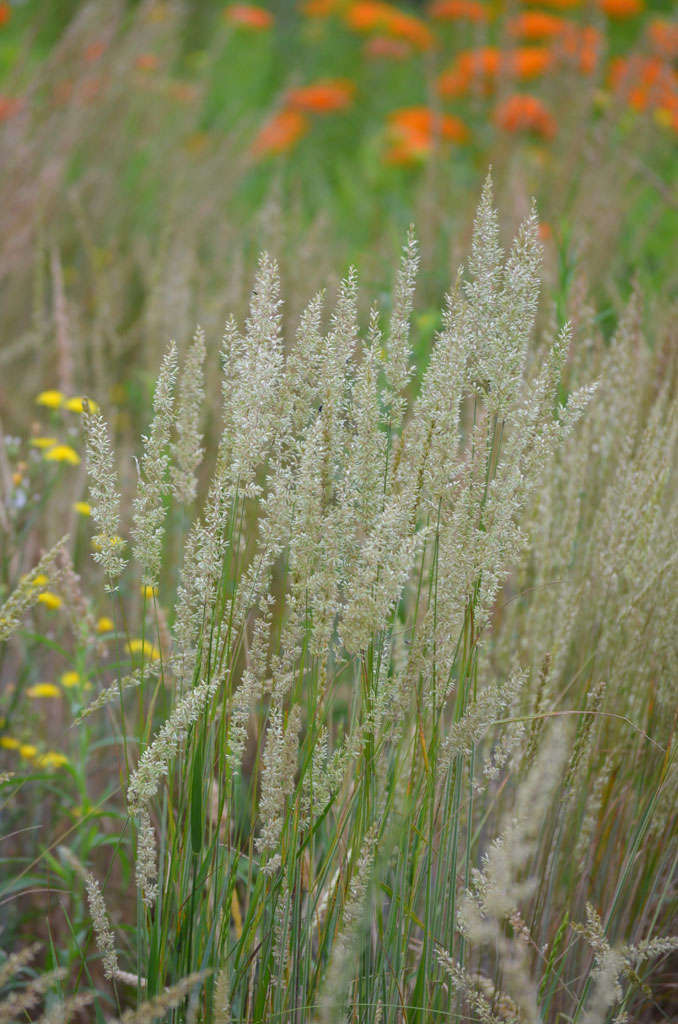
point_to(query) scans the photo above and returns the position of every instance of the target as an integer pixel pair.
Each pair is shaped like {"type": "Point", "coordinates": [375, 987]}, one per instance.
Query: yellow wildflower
{"type": "Point", "coordinates": [63, 453]}
{"type": "Point", "coordinates": [43, 690]}
{"type": "Point", "coordinates": [663, 116]}
{"type": "Point", "coordinates": [9, 743]}
{"type": "Point", "coordinates": [69, 679]}
{"type": "Point", "coordinates": [75, 404]}
{"type": "Point", "coordinates": [40, 580]}
{"type": "Point", "coordinates": [105, 625]}
{"type": "Point", "coordinates": [43, 442]}
{"type": "Point", "coordinates": [52, 399]}
{"type": "Point", "coordinates": [50, 600]}
{"type": "Point", "coordinates": [148, 592]}
{"type": "Point", "coordinates": [17, 478]}
{"type": "Point", "coordinates": [52, 759]}
{"type": "Point", "coordinates": [150, 651]}
{"type": "Point", "coordinates": [28, 750]}
{"type": "Point", "coordinates": [82, 507]}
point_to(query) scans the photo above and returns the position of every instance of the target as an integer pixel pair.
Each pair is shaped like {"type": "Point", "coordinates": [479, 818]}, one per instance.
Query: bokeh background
{"type": "Point", "coordinates": [150, 151]}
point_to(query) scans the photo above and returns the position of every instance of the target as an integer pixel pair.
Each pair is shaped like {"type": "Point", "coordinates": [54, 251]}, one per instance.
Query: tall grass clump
{"type": "Point", "coordinates": [402, 750]}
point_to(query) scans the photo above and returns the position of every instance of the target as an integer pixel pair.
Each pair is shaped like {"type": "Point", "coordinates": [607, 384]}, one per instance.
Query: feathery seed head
{"type": "Point", "coordinates": [103, 498]}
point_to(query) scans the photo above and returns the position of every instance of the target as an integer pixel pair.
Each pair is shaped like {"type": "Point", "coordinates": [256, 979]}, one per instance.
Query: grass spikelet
{"type": "Point", "coordinates": [18, 1004]}
{"type": "Point", "coordinates": [112, 693]}
{"type": "Point", "coordinates": [155, 760]}
{"type": "Point", "coordinates": [397, 369]}
{"type": "Point", "coordinates": [187, 451]}
{"type": "Point", "coordinates": [15, 962]}
{"type": "Point", "coordinates": [280, 758]}
{"type": "Point", "coordinates": [146, 863]}
{"type": "Point", "coordinates": [27, 593]}
{"type": "Point", "coordinates": [164, 1002]}
{"type": "Point", "coordinates": [103, 498]}
{"type": "Point", "coordinates": [102, 926]}
{"type": "Point", "coordinates": [63, 1012]}
{"type": "Point", "coordinates": [148, 509]}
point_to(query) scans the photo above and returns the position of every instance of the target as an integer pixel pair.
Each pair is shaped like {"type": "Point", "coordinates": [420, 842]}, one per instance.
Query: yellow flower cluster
{"type": "Point", "coordinates": [53, 399]}
{"type": "Point", "coordinates": [41, 690]}
{"type": "Point", "coordinates": [62, 453]}
{"type": "Point", "coordinates": [50, 600]}
{"type": "Point", "coordinates": [149, 650]}
{"type": "Point", "coordinates": [53, 449]}
{"type": "Point", "coordinates": [50, 759]}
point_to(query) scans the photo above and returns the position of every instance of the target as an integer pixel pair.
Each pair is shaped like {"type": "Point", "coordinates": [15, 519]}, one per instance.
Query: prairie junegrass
{"type": "Point", "coordinates": [392, 735]}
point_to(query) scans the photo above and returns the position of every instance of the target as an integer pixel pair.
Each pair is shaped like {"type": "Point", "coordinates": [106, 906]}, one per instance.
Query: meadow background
{"type": "Point", "coordinates": [375, 594]}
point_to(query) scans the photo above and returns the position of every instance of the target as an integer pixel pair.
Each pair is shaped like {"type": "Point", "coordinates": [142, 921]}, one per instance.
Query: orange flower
{"type": "Point", "coordinates": [146, 62]}
{"type": "Point", "coordinates": [459, 10]}
{"type": "Point", "coordinates": [452, 83]}
{"type": "Point", "coordinates": [522, 113]}
{"type": "Point", "coordinates": [582, 46]}
{"type": "Point", "coordinates": [325, 96]}
{"type": "Point", "coordinates": [479, 69]}
{"type": "Point", "coordinates": [280, 133]}
{"type": "Point", "coordinates": [375, 16]}
{"type": "Point", "coordinates": [249, 16]}
{"type": "Point", "coordinates": [407, 26]}
{"type": "Point", "coordinates": [485, 62]}
{"type": "Point", "coordinates": [647, 82]}
{"type": "Point", "coordinates": [537, 25]}
{"type": "Point", "coordinates": [5, 14]}
{"type": "Point", "coordinates": [411, 151]}
{"type": "Point", "coordinates": [414, 132]}
{"type": "Point", "coordinates": [662, 35]}
{"type": "Point", "coordinates": [379, 47]}
{"type": "Point", "coordinates": [94, 50]}
{"type": "Point", "coordinates": [9, 106]}
{"type": "Point", "coordinates": [528, 62]}
{"type": "Point", "coordinates": [621, 8]}
{"type": "Point", "coordinates": [368, 15]}
{"type": "Point", "coordinates": [427, 123]}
